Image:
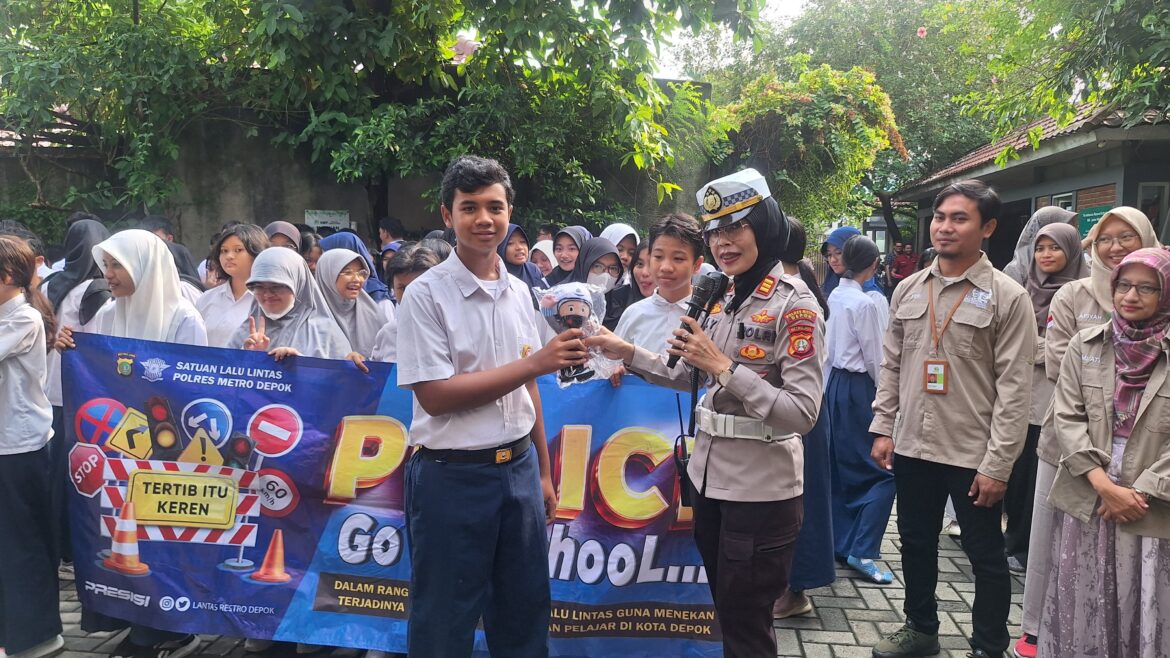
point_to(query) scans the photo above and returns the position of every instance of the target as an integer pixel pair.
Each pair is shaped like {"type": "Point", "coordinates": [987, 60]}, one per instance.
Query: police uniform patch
{"type": "Point", "coordinates": [763, 317]}
{"type": "Point", "coordinates": [766, 286]}
{"type": "Point", "coordinates": [752, 352]}
{"type": "Point", "coordinates": [800, 343]}
{"type": "Point", "coordinates": [800, 316]}
{"type": "Point", "coordinates": [716, 309]}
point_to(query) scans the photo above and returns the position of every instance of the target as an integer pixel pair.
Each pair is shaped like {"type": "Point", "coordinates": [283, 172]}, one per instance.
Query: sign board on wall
{"type": "Point", "coordinates": [1087, 218]}
{"type": "Point", "coordinates": [334, 219]}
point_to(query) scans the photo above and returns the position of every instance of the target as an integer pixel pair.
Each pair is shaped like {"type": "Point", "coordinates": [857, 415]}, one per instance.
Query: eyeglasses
{"type": "Point", "coordinates": [354, 274]}
{"type": "Point", "coordinates": [602, 268]}
{"type": "Point", "coordinates": [1123, 287]}
{"type": "Point", "coordinates": [1126, 240]}
{"type": "Point", "coordinates": [731, 232]}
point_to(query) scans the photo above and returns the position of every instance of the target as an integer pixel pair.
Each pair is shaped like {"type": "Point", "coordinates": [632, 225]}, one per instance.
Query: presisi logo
{"type": "Point", "coordinates": [140, 600]}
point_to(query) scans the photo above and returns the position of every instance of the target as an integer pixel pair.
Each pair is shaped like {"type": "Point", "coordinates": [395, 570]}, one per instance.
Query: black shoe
{"type": "Point", "coordinates": [174, 649]}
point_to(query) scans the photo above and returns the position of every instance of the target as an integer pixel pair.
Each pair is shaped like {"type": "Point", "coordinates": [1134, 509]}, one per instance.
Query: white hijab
{"type": "Point", "coordinates": [360, 318]}
{"type": "Point", "coordinates": [308, 327]}
{"type": "Point", "coordinates": [150, 311]}
{"type": "Point", "coordinates": [615, 233]}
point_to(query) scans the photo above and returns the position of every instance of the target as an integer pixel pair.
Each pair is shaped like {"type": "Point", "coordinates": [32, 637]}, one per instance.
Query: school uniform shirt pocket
{"type": "Point", "coordinates": [965, 337]}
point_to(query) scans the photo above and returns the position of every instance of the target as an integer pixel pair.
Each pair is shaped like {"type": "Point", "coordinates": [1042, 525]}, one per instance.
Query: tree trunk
{"type": "Point", "coordinates": [377, 203]}
{"type": "Point", "coordinates": [887, 201]}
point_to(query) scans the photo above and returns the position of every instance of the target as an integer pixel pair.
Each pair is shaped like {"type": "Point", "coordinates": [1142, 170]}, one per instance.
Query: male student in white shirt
{"type": "Point", "coordinates": [676, 253]}
{"type": "Point", "coordinates": [479, 487]}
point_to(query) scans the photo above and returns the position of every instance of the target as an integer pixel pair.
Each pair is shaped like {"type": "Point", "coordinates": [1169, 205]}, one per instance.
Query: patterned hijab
{"type": "Point", "coordinates": [1138, 346]}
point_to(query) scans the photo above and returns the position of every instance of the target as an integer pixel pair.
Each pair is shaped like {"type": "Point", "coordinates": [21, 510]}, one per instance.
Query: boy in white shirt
{"type": "Point", "coordinates": [676, 253]}
{"type": "Point", "coordinates": [479, 487]}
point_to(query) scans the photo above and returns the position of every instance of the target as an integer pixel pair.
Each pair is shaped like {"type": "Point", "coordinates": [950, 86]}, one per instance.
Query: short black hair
{"type": "Point", "coordinates": [254, 238]}
{"type": "Point", "coordinates": [981, 193]}
{"type": "Point", "coordinates": [392, 226]}
{"type": "Point", "coordinates": [19, 230]}
{"type": "Point", "coordinates": [548, 227]}
{"type": "Point", "coordinates": [680, 226]}
{"type": "Point", "coordinates": [309, 240]}
{"type": "Point", "coordinates": [411, 260]}
{"type": "Point", "coordinates": [154, 223]}
{"type": "Point", "coordinates": [471, 173]}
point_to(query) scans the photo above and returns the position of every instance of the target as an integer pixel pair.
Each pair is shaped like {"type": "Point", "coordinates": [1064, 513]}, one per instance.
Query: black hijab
{"type": "Point", "coordinates": [80, 266]}
{"type": "Point", "coordinates": [591, 251]}
{"type": "Point", "coordinates": [526, 272]}
{"type": "Point", "coordinates": [579, 235]}
{"type": "Point", "coordinates": [615, 299]}
{"type": "Point", "coordinates": [185, 264]}
{"type": "Point", "coordinates": [770, 226]}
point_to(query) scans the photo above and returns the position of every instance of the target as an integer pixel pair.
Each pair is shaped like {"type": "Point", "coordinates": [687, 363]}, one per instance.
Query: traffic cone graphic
{"type": "Point", "coordinates": [272, 569]}
{"type": "Point", "coordinates": [124, 548]}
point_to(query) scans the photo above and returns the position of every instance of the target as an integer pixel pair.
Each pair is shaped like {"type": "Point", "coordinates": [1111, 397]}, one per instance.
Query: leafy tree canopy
{"type": "Point", "coordinates": [552, 87]}
{"type": "Point", "coordinates": [1046, 57]}
{"type": "Point", "coordinates": [814, 135]}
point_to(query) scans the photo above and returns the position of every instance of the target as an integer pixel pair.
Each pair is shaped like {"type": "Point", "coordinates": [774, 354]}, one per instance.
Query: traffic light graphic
{"type": "Point", "coordinates": [164, 433]}
{"type": "Point", "coordinates": [238, 451]}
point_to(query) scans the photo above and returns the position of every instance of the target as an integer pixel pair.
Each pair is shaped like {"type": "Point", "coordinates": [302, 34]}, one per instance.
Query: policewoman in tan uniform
{"type": "Point", "coordinates": [760, 352]}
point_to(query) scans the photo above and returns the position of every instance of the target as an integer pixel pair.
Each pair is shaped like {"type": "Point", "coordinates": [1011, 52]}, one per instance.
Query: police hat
{"type": "Point", "coordinates": [729, 199]}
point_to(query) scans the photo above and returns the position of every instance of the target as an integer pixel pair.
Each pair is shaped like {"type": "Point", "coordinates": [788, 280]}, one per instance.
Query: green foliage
{"type": "Point", "coordinates": [1045, 57]}
{"type": "Point", "coordinates": [553, 88]}
{"type": "Point", "coordinates": [813, 136]}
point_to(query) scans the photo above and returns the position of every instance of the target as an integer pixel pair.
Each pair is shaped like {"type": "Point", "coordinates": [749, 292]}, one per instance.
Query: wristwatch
{"type": "Point", "coordinates": [724, 377]}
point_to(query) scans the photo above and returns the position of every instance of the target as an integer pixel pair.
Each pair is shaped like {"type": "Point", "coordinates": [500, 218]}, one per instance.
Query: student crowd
{"type": "Point", "coordinates": [1040, 392]}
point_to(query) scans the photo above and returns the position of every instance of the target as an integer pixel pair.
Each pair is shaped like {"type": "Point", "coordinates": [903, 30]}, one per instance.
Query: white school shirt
{"type": "Point", "coordinates": [28, 417]}
{"type": "Point", "coordinates": [222, 313]}
{"type": "Point", "coordinates": [386, 344]}
{"type": "Point", "coordinates": [651, 321]}
{"type": "Point", "coordinates": [856, 327]}
{"type": "Point", "coordinates": [68, 315]}
{"type": "Point", "coordinates": [451, 324]}
{"type": "Point", "coordinates": [186, 326]}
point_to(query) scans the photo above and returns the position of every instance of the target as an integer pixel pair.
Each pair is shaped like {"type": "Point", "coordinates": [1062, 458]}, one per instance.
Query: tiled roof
{"type": "Point", "coordinates": [1087, 117]}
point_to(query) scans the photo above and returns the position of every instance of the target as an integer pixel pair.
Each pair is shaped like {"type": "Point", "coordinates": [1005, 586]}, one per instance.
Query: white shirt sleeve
{"type": "Point", "coordinates": [870, 325]}
{"type": "Point", "coordinates": [424, 352]}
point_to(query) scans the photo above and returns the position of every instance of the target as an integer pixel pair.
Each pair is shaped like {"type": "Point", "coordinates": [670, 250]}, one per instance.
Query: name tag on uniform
{"type": "Point", "coordinates": [935, 377]}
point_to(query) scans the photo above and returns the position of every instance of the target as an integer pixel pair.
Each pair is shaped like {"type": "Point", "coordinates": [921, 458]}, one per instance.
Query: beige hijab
{"type": "Point", "coordinates": [1099, 272]}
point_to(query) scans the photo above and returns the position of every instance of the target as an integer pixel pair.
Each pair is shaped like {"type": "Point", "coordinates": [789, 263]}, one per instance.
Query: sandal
{"type": "Point", "coordinates": [871, 570]}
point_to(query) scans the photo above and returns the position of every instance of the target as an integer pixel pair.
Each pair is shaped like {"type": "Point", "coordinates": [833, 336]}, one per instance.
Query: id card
{"type": "Point", "coordinates": [935, 376]}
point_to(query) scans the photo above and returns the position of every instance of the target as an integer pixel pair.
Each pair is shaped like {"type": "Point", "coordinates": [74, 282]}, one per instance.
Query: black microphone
{"type": "Point", "coordinates": [709, 289]}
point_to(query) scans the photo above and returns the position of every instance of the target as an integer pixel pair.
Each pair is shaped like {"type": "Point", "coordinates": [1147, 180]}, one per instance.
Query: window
{"type": "Point", "coordinates": [1063, 200]}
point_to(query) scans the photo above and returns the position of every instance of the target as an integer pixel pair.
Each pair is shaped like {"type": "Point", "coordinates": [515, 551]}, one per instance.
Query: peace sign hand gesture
{"type": "Point", "coordinates": [256, 339]}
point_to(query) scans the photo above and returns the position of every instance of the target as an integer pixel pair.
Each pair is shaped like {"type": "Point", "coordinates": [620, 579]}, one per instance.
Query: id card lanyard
{"type": "Point", "coordinates": [935, 371]}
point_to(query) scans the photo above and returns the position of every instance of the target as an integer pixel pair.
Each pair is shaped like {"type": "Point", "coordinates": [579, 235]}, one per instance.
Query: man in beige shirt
{"type": "Point", "coordinates": [951, 414]}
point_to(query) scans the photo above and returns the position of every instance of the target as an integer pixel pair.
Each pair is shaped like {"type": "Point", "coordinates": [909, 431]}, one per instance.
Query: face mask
{"type": "Point", "coordinates": [281, 314]}
{"type": "Point", "coordinates": [604, 281]}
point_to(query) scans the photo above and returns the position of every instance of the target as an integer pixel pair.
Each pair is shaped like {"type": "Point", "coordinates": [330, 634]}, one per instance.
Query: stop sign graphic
{"type": "Point", "coordinates": [86, 463]}
{"type": "Point", "coordinates": [276, 429]}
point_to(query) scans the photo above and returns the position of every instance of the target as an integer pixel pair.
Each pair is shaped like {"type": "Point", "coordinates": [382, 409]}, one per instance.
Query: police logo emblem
{"type": "Point", "coordinates": [125, 364]}
{"type": "Point", "coordinates": [152, 369]}
{"type": "Point", "coordinates": [711, 200]}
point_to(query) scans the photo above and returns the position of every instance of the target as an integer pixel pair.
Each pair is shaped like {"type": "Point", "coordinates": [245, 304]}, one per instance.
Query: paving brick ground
{"type": "Point", "coordinates": [849, 618]}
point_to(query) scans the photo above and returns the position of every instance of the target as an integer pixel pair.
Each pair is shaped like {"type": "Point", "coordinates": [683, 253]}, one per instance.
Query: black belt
{"type": "Point", "coordinates": [498, 455]}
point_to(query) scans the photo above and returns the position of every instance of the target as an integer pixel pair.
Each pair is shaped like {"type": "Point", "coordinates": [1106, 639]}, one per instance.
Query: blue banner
{"type": "Point", "coordinates": [223, 492]}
